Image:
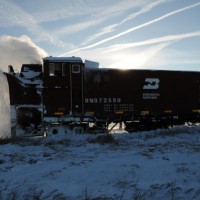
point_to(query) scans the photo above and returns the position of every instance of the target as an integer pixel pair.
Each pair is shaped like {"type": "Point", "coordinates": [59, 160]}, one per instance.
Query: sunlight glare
{"type": "Point", "coordinates": [130, 61]}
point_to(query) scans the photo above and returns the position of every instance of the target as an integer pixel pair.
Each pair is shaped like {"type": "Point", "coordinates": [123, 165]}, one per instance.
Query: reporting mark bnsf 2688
{"type": "Point", "coordinates": [65, 91]}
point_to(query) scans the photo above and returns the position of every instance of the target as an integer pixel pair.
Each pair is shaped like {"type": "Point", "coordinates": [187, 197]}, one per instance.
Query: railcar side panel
{"type": "Point", "coordinates": [141, 92]}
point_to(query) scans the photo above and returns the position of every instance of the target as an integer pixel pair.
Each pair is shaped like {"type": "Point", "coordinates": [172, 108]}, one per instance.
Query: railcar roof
{"type": "Point", "coordinates": [63, 59]}
{"type": "Point", "coordinates": [147, 70]}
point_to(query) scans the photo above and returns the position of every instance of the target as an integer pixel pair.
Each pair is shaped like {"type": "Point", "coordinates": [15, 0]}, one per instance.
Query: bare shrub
{"type": "Point", "coordinates": [12, 195]}
{"type": "Point", "coordinates": [138, 194]}
{"type": "Point", "coordinates": [37, 195]}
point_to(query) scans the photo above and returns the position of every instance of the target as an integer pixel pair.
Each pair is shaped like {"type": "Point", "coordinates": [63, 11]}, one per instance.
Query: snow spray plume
{"type": "Point", "coordinates": [19, 50]}
{"type": "Point", "coordinates": [5, 128]}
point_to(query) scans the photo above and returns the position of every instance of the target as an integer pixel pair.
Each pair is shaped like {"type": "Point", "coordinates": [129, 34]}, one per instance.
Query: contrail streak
{"type": "Point", "coordinates": [112, 27]}
{"type": "Point", "coordinates": [154, 41]}
{"type": "Point", "coordinates": [135, 28]}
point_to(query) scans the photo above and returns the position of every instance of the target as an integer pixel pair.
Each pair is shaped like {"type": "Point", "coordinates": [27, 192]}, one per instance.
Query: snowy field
{"type": "Point", "coordinates": [161, 164]}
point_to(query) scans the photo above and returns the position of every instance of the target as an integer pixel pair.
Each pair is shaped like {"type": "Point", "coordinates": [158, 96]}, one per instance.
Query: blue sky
{"type": "Point", "coordinates": [159, 34]}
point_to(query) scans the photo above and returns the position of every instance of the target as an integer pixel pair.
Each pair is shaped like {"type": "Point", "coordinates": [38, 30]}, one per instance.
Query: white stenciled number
{"type": "Point", "coordinates": [104, 100]}
{"type": "Point", "coordinates": [151, 84]}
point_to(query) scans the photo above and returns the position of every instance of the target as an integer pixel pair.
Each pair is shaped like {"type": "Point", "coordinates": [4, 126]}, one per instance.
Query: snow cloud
{"type": "Point", "coordinates": [19, 50]}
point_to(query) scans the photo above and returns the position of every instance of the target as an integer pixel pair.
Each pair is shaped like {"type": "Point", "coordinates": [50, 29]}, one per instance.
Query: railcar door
{"type": "Point", "coordinates": [76, 85]}
{"type": "Point", "coordinates": [63, 87]}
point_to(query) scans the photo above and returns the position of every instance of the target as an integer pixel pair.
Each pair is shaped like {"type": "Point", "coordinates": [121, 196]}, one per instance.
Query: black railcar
{"type": "Point", "coordinates": [65, 91]}
{"type": "Point", "coordinates": [140, 92]}
{"type": "Point", "coordinates": [145, 96]}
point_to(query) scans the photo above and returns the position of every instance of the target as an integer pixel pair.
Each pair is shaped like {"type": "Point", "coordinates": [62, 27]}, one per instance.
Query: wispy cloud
{"type": "Point", "coordinates": [112, 27]}
{"type": "Point", "coordinates": [19, 17]}
{"type": "Point", "coordinates": [127, 59]}
{"type": "Point", "coordinates": [98, 14]}
{"type": "Point", "coordinates": [168, 38]}
{"type": "Point", "coordinates": [135, 28]}
{"type": "Point", "coordinates": [80, 26]}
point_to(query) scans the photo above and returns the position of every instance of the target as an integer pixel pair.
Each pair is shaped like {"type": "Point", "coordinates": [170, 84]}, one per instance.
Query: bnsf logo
{"type": "Point", "coordinates": [151, 84]}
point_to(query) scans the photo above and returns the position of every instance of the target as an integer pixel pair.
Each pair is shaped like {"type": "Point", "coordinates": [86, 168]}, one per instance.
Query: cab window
{"type": "Point", "coordinates": [55, 69]}
{"type": "Point", "coordinates": [76, 69]}
{"type": "Point", "coordinates": [64, 69]}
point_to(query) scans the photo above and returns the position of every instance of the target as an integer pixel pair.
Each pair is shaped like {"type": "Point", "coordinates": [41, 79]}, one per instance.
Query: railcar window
{"type": "Point", "coordinates": [75, 68]}
{"type": "Point", "coordinates": [51, 69]}
{"type": "Point", "coordinates": [55, 69]}
{"type": "Point", "coordinates": [64, 69]}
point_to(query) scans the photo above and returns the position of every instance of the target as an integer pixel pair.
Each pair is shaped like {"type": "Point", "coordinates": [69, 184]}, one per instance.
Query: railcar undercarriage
{"type": "Point", "coordinates": [30, 120]}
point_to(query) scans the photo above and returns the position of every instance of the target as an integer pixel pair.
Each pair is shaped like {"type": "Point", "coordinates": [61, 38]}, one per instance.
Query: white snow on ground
{"type": "Point", "coordinates": [160, 164]}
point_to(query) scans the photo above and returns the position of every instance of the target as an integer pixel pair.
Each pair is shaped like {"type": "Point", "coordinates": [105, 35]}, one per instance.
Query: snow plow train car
{"type": "Point", "coordinates": [64, 91]}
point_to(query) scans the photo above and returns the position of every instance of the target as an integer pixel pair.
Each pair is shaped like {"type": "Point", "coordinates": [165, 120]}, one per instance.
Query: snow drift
{"type": "Point", "coordinates": [154, 165]}
{"type": "Point", "coordinates": [5, 128]}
